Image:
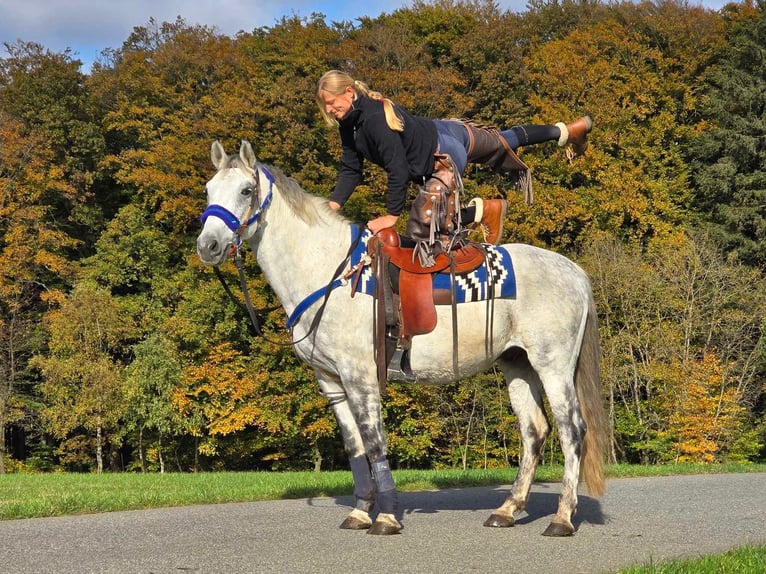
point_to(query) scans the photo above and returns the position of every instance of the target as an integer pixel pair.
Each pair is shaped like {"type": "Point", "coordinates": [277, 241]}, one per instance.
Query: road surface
{"type": "Point", "coordinates": [638, 521]}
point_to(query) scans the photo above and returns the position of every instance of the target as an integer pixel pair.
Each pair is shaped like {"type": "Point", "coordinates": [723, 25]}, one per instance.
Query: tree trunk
{"type": "Point", "coordinates": [2, 437]}
{"type": "Point", "coordinates": [141, 456]}
{"type": "Point", "coordinates": [159, 455]}
{"type": "Point", "coordinates": [317, 459]}
{"type": "Point", "coordinates": [99, 451]}
{"type": "Point", "coordinates": [2, 445]}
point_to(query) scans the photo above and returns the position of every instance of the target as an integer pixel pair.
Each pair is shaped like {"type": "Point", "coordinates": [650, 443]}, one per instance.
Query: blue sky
{"type": "Point", "coordinates": [90, 26]}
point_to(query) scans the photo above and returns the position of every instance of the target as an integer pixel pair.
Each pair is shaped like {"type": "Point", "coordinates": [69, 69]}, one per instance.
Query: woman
{"type": "Point", "coordinates": [374, 128]}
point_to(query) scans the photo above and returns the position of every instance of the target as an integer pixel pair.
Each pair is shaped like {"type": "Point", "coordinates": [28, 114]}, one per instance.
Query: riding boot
{"type": "Point", "coordinates": [490, 214]}
{"type": "Point", "coordinates": [576, 134]}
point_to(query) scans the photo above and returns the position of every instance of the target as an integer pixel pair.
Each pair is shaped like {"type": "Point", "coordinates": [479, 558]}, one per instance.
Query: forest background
{"type": "Point", "coordinates": [121, 351]}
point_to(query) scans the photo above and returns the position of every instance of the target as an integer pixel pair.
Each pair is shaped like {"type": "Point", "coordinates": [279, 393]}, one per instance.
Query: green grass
{"type": "Point", "coordinates": [745, 560]}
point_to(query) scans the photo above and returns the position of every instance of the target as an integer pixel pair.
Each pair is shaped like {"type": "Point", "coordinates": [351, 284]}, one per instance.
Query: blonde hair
{"type": "Point", "coordinates": [335, 83]}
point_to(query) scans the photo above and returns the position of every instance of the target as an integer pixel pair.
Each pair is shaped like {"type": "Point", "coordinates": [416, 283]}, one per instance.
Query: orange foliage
{"type": "Point", "coordinates": [704, 411]}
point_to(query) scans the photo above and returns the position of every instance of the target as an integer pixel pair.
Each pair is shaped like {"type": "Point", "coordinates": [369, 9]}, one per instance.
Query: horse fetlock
{"type": "Point", "coordinates": [365, 504]}
{"type": "Point", "coordinates": [388, 501]}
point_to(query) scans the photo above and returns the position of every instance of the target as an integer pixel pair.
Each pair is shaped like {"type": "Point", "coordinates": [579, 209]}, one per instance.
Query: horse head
{"type": "Point", "coordinates": [237, 195]}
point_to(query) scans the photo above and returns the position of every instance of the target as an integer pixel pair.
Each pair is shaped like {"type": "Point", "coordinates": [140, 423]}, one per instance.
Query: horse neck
{"type": "Point", "coordinates": [297, 257]}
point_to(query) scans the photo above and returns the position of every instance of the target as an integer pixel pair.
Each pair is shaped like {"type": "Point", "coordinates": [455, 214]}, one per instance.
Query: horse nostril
{"type": "Point", "coordinates": [209, 247]}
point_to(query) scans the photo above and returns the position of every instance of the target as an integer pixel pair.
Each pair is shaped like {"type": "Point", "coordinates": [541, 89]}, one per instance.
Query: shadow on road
{"type": "Point", "coordinates": [542, 503]}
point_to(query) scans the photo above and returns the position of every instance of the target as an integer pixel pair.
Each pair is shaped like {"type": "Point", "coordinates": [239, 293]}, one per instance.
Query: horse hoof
{"type": "Point", "coordinates": [357, 520]}
{"type": "Point", "coordinates": [353, 523]}
{"type": "Point", "coordinates": [385, 526]}
{"type": "Point", "coordinates": [499, 521]}
{"type": "Point", "coordinates": [559, 529]}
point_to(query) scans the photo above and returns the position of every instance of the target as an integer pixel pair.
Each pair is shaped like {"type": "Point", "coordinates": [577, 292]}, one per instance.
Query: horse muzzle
{"type": "Point", "coordinates": [211, 251]}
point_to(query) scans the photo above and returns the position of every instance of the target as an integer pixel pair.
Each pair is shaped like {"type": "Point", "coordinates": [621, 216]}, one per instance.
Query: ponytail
{"type": "Point", "coordinates": [392, 118]}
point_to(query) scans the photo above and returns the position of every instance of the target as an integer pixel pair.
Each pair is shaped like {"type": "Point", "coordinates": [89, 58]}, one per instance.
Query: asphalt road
{"type": "Point", "coordinates": [638, 521]}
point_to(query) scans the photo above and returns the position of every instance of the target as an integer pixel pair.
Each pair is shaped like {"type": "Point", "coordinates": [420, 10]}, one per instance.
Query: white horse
{"type": "Point", "coordinates": [545, 339]}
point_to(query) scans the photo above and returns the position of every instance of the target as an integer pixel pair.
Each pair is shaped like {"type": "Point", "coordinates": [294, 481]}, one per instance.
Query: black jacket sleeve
{"type": "Point", "coordinates": [349, 175]}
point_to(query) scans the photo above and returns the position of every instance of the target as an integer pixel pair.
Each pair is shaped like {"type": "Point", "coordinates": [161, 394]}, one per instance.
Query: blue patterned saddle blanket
{"type": "Point", "coordinates": [494, 279]}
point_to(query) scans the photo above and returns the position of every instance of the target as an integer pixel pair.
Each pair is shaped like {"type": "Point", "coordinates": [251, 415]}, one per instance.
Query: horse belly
{"type": "Point", "coordinates": [431, 355]}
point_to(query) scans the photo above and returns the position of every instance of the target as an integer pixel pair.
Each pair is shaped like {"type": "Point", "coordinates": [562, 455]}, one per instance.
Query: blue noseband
{"type": "Point", "coordinates": [231, 220]}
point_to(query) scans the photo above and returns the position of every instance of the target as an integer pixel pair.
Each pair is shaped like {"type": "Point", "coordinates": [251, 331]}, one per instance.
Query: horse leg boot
{"type": "Point", "coordinates": [364, 492]}
{"type": "Point", "coordinates": [387, 499]}
{"type": "Point", "coordinates": [364, 488]}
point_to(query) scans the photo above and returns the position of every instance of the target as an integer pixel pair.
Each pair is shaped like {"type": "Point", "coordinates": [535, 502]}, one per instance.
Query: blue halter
{"type": "Point", "coordinates": [232, 221]}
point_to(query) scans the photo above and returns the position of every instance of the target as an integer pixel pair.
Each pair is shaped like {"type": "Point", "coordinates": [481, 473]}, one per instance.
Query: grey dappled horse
{"type": "Point", "coordinates": [545, 339]}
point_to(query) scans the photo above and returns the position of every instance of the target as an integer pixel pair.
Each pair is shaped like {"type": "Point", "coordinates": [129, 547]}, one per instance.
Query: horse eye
{"type": "Point", "coordinates": [247, 191]}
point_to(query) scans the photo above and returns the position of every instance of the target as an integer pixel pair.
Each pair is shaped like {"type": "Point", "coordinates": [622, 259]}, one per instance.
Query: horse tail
{"type": "Point", "coordinates": [588, 385]}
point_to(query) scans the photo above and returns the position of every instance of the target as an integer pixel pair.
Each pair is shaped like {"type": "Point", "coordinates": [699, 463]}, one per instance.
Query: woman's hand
{"type": "Point", "coordinates": [382, 222]}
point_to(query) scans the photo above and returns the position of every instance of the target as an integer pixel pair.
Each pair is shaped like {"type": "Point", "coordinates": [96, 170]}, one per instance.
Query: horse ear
{"type": "Point", "coordinates": [246, 154]}
{"type": "Point", "coordinates": [217, 154]}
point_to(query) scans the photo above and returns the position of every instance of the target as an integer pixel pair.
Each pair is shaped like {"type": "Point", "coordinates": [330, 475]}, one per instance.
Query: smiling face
{"type": "Point", "coordinates": [339, 105]}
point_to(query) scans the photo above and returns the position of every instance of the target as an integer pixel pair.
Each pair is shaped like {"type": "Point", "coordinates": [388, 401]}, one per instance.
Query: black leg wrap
{"type": "Point", "coordinates": [364, 488]}
{"type": "Point", "coordinates": [388, 501]}
{"type": "Point", "coordinates": [387, 498]}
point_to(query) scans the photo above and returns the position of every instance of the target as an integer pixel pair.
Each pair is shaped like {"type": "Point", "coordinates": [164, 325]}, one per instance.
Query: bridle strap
{"type": "Point", "coordinates": [254, 313]}
{"type": "Point", "coordinates": [252, 215]}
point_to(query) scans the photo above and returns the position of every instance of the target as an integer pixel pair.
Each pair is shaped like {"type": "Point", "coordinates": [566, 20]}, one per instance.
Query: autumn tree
{"type": "Point", "coordinates": [34, 258]}
{"type": "Point", "coordinates": [670, 318]}
{"type": "Point", "coordinates": [232, 392]}
{"type": "Point", "coordinates": [82, 375]}
{"type": "Point", "coordinates": [151, 380]}
{"type": "Point", "coordinates": [46, 92]}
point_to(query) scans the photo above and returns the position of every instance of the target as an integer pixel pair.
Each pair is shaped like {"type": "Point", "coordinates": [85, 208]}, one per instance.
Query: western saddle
{"type": "Point", "coordinates": [405, 299]}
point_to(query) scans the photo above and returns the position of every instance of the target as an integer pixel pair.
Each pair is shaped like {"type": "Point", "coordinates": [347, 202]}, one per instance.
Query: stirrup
{"type": "Point", "coordinates": [399, 367]}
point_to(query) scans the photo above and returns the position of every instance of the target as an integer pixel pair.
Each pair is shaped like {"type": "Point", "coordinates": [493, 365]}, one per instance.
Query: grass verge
{"type": "Point", "coordinates": [745, 560]}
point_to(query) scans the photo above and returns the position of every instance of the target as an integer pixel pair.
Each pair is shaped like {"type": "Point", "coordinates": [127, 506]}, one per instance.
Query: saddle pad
{"type": "Point", "coordinates": [469, 287]}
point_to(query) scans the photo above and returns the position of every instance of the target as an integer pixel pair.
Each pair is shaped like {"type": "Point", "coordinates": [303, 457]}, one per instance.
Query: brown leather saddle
{"type": "Point", "coordinates": [405, 297]}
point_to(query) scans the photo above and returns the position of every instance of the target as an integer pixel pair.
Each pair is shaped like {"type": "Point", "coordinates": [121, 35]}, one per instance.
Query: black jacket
{"type": "Point", "coordinates": [406, 156]}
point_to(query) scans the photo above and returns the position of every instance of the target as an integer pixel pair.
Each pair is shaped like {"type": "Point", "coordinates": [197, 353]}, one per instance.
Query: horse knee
{"type": "Point", "coordinates": [333, 397]}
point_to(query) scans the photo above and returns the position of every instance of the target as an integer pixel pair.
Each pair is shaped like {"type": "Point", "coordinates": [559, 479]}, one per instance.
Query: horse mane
{"type": "Point", "coordinates": [311, 209]}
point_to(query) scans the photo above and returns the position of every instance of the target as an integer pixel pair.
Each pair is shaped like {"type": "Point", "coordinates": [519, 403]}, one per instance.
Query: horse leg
{"type": "Point", "coordinates": [364, 404]}
{"type": "Point", "coordinates": [571, 426]}
{"type": "Point", "coordinates": [527, 402]}
{"type": "Point", "coordinates": [364, 488]}
{"type": "Point", "coordinates": [387, 499]}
